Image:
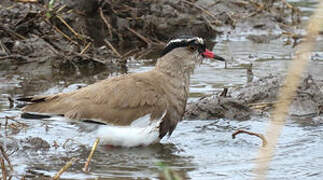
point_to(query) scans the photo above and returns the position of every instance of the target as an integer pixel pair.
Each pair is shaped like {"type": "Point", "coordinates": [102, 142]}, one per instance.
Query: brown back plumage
{"type": "Point", "coordinates": [121, 100]}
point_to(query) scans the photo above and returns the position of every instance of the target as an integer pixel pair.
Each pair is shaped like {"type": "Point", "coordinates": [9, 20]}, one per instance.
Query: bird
{"type": "Point", "coordinates": [134, 109]}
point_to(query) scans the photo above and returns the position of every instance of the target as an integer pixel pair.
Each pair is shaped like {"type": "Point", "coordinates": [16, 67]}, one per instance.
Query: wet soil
{"type": "Point", "coordinates": [257, 98]}
{"type": "Point", "coordinates": [73, 39]}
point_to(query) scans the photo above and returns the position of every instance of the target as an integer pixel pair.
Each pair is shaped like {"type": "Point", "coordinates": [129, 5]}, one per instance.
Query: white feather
{"type": "Point", "coordinates": [142, 131]}
{"type": "Point", "coordinates": [200, 40]}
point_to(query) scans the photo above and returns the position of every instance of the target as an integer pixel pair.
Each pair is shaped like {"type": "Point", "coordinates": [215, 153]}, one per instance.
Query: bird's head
{"type": "Point", "coordinates": [183, 54]}
{"type": "Point", "coordinates": [195, 45]}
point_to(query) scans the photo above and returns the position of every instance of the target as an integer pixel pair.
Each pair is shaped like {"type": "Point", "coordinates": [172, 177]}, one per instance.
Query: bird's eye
{"type": "Point", "coordinates": [192, 48]}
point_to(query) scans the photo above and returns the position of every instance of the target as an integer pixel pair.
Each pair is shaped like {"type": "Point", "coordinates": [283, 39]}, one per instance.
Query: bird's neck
{"type": "Point", "coordinates": [174, 72]}
{"type": "Point", "coordinates": [173, 65]}
{"type": "Point", "coordinates": [178, 78]}
{"type": "Point", "coordinates": [177, 75]}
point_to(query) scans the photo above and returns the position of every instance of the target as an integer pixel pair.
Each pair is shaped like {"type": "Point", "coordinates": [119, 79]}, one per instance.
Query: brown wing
{"type": "Point", "coordinates": [118, 100]}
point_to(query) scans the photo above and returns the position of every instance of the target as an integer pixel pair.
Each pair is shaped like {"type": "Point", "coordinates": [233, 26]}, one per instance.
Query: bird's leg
{"type": "Point", "coordinates": [108, 147]}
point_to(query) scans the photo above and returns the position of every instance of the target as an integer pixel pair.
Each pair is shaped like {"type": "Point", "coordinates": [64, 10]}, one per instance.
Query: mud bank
{"type": "Point", "coordinates": [257, 98]}
{"type": "Point", "coordinates": [73, 39]}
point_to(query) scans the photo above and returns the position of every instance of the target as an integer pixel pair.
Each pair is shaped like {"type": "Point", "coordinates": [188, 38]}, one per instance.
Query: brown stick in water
{"type": "Point", "coordinates": [4, 154]}
{"type": "Point", "coordinates": [61, 171]}
{"type": "Point", "coordinates": [86, 165]}
{"type": "Point", "coordinates": [4, 171]}
{"type": "Point", "coordinates": [262, 137]}
{"type": "Point", "coordinates": [112, 48]}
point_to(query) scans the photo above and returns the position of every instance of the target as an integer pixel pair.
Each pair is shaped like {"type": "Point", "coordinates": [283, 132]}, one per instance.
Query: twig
{"type": "Point", "coordinates": [61, 8]}
{"type": "Point", "coordinates": [66, 36]}
{"type": "Point", "coordinates": [147, 41]}
{"type": "Point", "coordinates": [12, 32]}
{"type": "Point", "coordinates": [106, 22]}
{"type": "Point", "coordinates": [86, 165]}
{"type": "Point", "coordinates": [259, 6]}
{"type": "Point", "coordinates": [293, 78]}
{"type": "Point", "coordinates": [86, 47]}
{"type": "Point", "coordinates": [50, 44]}
{"type": "Point", "coordinates": [69, 27]}
{"type": "Point", "coordinates": [3, 167]}
{"type": "Point", "coordinates": [129, 52]}
{"type": "Point", "coordinates": [74, 53]}
{"type": "Point", "coordinates": [240, 3]}
{"type": "Point", "coordinates": [230, 17]}
{"type": "Point", "coordinates": [11, 102]}
{"type": "Point", "coordinates": [13, 57]}
{"type": "Point", "coordinates": [4, 48]}
{"type": "Point", "coordinates": [88, 57]}
{"type": "Point", "coordinates": [51, 47]}
{"type": "Point", "coordinates": [262, 137]}
{"type": "Point", "coordinates": [112, 48]}
{"type": "Point", "coordinates": [216, 22]}
{"type": "Point", "coordinates": [261, 105]}
{"type": "Point", "coordinates": [224, 92]}
{"type": "Point", "coordinates": [287, 4]}
{"type": "Point", "coordinates": [61, 171]}
{"type": "Point", "coordinates": [12, 119]}
{"type": "Point", "coordinates": [4, 154]}
{"type": "Point", "coordinates": [201, 9]}
{"type": "Point", "coordinates": [158, 42]}
{"type": "Point", "coordinates": [143, 53]}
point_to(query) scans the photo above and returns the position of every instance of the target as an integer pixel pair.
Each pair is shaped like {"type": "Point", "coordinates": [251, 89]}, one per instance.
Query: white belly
{"type": "Point", "coordinates": [142, 131]}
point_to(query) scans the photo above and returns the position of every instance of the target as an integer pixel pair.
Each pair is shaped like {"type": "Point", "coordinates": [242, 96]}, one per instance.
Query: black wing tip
{"type": "Point", "coordinates": [30, 99]}
{"type": "Point", "coordinates": [27, 115]}
{"type": "Point", "coordinates": [93, 122]}
{"type": "Point", "coordinates": [26, 99]}
{"type": "Point", "coordinates": [35, 115]}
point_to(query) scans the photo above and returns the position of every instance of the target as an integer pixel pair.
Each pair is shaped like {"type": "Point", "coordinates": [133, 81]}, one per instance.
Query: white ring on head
{"type": "Point", "coordinates": [198, 39]}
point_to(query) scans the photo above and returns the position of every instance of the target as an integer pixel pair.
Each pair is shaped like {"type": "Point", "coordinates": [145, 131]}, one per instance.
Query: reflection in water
{"type": "Point", "coordinates": [199, 148]}
{"type": "Point", "coordinates": [33, 151]}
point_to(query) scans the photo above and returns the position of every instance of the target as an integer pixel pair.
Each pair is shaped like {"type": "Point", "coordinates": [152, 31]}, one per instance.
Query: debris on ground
{"type": "Point", "coordinates": [257, 98]}
{"type": "Point", "coordinates": [65, 38]}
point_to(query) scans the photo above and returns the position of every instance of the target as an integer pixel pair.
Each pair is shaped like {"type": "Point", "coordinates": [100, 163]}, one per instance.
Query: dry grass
{"type": "Point", "coordinates": [295, 72]}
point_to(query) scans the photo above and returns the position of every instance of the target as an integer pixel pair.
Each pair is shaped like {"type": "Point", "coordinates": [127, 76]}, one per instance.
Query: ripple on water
{"type": "Point", "coordinates": [201, 148]}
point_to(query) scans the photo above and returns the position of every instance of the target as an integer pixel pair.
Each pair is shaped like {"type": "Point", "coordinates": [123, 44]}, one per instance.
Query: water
{"type": "Point", "coordinates": [199, 149]}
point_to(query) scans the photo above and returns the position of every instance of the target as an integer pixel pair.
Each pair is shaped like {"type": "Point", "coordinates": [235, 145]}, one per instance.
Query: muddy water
{"type": "Point", "coordinates": [199, 149]}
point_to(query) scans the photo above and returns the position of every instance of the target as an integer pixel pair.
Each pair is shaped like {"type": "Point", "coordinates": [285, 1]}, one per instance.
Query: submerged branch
{"type": "Point", "coordinates": [262, 137]}
{"type": "Point", "coordinates": [5, 156]}
{"type": "Point", "coordinates": [4, 171]}
{"type": "Point", "coordinates": [67, 165]}
{"type": "Point", "coordinates": [85, 169]}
